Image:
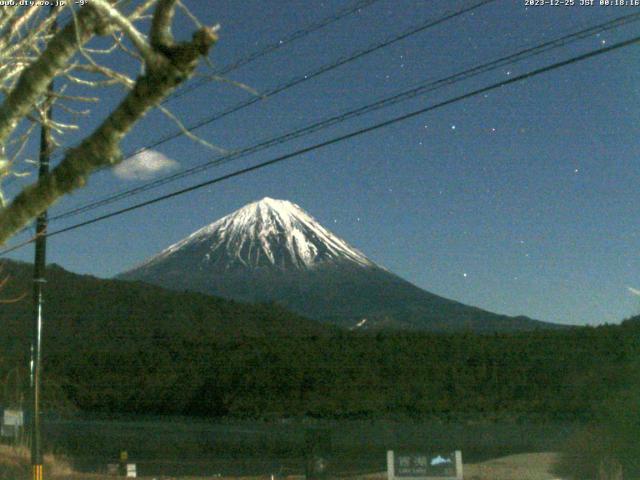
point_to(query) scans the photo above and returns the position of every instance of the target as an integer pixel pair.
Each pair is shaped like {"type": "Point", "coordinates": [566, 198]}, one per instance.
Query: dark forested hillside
{"type": "Point", "coordinates": [75, 303]}
{"type": "Point", "coordinates": [129, 347]}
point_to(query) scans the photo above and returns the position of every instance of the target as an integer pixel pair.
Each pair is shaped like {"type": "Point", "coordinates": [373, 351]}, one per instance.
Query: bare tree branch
{"type": "Point", "coordinates": [36, 77]}
{"type": "Point", "coordinates": [137, 38]}
{"type": "Point", "coordinates": [161, 36]}
{"type": "Point", "coordinates": [169, 65]}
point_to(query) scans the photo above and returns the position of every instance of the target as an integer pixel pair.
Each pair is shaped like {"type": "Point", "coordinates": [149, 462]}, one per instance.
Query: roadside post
{"type": "Point", "coordinates": [124, 456]}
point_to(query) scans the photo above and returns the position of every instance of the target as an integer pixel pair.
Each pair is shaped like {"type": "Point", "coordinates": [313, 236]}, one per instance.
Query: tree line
{"type": "Point", "coordinates": [115, 346]}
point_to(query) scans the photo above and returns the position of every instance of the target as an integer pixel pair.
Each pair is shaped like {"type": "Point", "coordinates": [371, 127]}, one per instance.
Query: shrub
{"type": "Point", "coordinates": [608, 448]}
{"type": "Point", "coordinates": [15, 464]}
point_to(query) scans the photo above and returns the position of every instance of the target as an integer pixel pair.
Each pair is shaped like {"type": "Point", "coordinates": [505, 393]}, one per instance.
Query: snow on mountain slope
{"type": "Point", "coordinates": [267, 233]}
{"type": "Point", "coordinates": [273, 251]}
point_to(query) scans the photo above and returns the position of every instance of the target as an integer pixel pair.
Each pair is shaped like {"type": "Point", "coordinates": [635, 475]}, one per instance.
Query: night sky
{"type": "Point", "coordinates": [524, 200]}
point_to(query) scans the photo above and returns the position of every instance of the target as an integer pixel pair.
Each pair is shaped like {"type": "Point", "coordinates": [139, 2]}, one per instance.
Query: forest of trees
{"type": "Point", "coordinates": [561, 375]}
{"type": "Point", "coordinates": [117, 346]}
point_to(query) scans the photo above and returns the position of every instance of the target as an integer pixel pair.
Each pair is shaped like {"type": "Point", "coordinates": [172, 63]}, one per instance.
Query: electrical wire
{"type": "Point", "coordinates": [300, 79]}
{"type": "Point", "coordinates": [430, 23]}
{"type": "Point", "coordinates": [423, 26]}
{"type": "Point", "coordinates": [356, 133]}
{"type": "Point", "coordinates": [382, 103]}
{"type": "Point", "coordinates": [275, 46]}
{"type": "Point", "coordinates": [267, 49]}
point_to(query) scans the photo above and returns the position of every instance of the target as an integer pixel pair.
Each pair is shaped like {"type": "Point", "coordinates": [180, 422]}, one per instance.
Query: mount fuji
{"type": "Point", "coordinates": [274, 251]}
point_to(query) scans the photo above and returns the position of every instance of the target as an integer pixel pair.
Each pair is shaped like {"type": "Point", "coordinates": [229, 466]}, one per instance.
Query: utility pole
{"type": "Point", "coordinates": [38, 287]}
{"type": "Point", "coordinates": [39, 265]}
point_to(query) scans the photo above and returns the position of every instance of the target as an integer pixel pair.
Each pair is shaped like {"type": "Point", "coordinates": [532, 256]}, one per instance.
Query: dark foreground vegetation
{"type": "Point", "coordinates": [130, 348]}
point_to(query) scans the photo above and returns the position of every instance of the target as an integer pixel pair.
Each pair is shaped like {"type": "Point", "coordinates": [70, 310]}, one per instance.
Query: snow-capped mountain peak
{"type": "Point", "coordinates": [266, 233]}
{"type": "Point", "coordinates": [273, 251]}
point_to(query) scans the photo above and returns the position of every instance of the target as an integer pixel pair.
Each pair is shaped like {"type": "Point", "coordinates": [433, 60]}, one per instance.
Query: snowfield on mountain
{"type": "Point", "coordinates": [274, 251]}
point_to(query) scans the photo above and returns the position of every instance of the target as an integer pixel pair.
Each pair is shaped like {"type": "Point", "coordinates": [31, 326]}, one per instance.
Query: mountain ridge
{"type": "Point", "coordinates": [273, 251]}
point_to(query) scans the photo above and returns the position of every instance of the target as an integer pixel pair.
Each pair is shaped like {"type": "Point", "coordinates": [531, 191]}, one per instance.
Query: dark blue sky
{"type": "Point", "coordinates": [521, 201]}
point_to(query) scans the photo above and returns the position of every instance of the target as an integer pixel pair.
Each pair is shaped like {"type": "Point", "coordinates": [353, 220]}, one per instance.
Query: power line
{"type": "Point", "coordinates": [342, 61]}
{"type": "Point", "coordinates": [411, 31]}
{"type": "Point", "coordinates": [276, 45]}
{"type": "Point", "coordinates": [308, 76]}
{"type": "Point", "coordinates": [273, 46]}
{"type": "Point", "coordinates": [430, 23]}
{"type": "Point", "coordinates": [362, 131]}
{"type": "Point", "coordinates": [419, 90]}
{"type": "Point", "coordinates": [300, 79]}
{"type": "Point", "coordinates": [269, 48]}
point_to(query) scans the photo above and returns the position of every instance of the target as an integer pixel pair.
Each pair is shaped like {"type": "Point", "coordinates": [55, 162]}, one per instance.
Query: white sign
{"type": "Point", "coordinates": [131, 470]}
{"type": "Point", "coordinates": [14, 418]}
{"type": "Point", "coordinates": [424, 466]}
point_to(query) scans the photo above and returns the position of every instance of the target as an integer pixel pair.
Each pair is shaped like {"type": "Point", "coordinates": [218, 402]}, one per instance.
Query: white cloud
{"type": "Point", "coordinates": [635, 291]}
{"type": "Point", "coordinates": [144, 166]}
